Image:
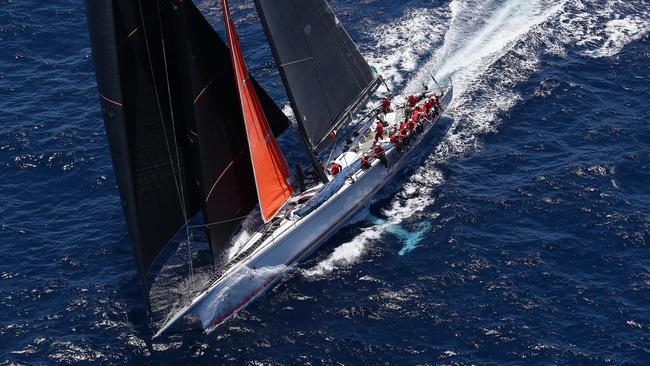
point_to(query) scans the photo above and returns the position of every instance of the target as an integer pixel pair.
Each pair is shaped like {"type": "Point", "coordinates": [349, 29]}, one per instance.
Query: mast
{"type": "Point", "coordinates": [271, 170]}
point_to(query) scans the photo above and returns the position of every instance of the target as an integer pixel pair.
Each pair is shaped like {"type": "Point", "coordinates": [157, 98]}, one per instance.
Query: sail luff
{"type": "Point", "coordinates": [102, 35]}
{"type": "Point", "coordinates": [269, 166]}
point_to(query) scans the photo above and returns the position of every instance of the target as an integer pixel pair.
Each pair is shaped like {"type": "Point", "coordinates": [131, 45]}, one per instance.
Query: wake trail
{"type": "Point", "coordinates": [487, 48]}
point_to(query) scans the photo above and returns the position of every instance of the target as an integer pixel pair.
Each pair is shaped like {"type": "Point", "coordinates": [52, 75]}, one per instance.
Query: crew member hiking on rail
{"type": "Point", "coordinates": [396, 139]}
{"type": "Point", "coordinates": [415, 116]}
{"type": "Point", "coordinates": [380, 154]}
{"type": "Point", "coordinates": [336, 168]}
{"type": "Point", "coordinates": [412, 100]}
{"type": "Point", "coordinates": [365, 164]}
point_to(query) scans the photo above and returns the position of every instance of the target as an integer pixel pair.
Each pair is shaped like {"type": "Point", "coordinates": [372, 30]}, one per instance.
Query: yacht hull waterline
{"type": "Point", "coordinates": [296, 238]}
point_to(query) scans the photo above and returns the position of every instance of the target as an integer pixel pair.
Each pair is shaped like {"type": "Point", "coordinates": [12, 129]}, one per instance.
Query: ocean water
{"type": "Point", "coordinates": [521, 238]}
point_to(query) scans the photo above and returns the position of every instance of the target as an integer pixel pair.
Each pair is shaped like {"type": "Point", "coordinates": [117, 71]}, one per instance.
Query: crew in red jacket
{"type": "Point", "coordinates": [385, 105]}
{"type": "Point", "coordinates": [412, 100]}
{"type": "Point", "coordinates": [336, 168]}
{"type": "Point", "coordinates": [428, 105]}
{"type": "Point", "coordinates": [436, 102]}
{"type": "Point", "coordinates": [415, 117]}
{"type": "Point", "coordinates": [365, 164]}
{"type": "Point", "coordinates": [402, 129]}
{"type": "Point", "coordinates": [380, 154]}
{"type": "Point", "coordinates": [379, 131]}
{"type": "Point", "coordinates": [410, 125]}
{"type": "Point", "coordinates": [396, 139]}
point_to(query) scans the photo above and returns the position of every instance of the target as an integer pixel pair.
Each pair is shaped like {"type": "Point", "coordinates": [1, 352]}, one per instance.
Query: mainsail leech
{"type": "Point", "coordinates": [270, 167]}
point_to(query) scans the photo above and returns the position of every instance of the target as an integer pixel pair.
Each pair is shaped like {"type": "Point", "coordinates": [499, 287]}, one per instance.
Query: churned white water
{"type": "Point", "coordinates": [487, 48]}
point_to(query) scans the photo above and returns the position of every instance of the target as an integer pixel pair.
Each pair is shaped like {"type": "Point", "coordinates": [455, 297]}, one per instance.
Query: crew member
{"type": "Point", "coordinates": [402, 129]}
{"type": "Point", "coordinates": [428, 105]}
{"type": "Point", "coordinates": [336, 168]}
{"type": "Point", "coordinates": [379, 131]}
{"type": "Point", "coordinates": [412, 100]}
{"type": "Point", "coordinates": [415, 116]}
{"type": "Point", "coordinates": [365, 164]}
{"type": "Point", "coordinates": [436, 103]}
{"type": "Point", "coordinates": [396, 139]}
{"type": "Point", "coordinates": [410, 125]}
{"type": "Point", "coordinates": [385, 105]}
{"type": "Point", "coordinates": [380, 154]}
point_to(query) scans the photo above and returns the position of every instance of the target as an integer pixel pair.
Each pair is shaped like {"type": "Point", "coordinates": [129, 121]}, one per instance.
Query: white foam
{"type": "Point", "coordinates": [604, 28]}
{"type": "Point", "coordinates": [414, 198]}
{"type": "Point", "coordinates": [344, 254]}
{"type": "Point", "coordinates": [488, 48]}
{"type": "Point", "coordinates": [402, 44]}
{"type": "Point", "coordinates": [620, 33]}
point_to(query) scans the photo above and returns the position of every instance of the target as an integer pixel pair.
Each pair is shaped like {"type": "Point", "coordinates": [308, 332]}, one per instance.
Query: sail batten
{"type": "Point", "coordinates": [325, 75]}
{"type": "Point", "coordinates": [269, 166]}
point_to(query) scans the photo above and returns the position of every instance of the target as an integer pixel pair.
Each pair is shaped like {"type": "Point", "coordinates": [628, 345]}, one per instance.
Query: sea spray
{"type": "Point", "coordinates": [415, 197]}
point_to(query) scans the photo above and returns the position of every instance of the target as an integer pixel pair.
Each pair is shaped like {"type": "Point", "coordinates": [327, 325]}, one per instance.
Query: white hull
{"type": "Point", "coordinates": [290, 243]}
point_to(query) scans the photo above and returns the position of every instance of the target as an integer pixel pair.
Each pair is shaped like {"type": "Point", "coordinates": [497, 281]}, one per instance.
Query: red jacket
{"type": "Point", "coordinates": [380, 129]}
{"type": "Point", "coordinates": [415, 117]}
{"type": "Point", "coordinates": [336, 168]}
{"type": "Point", "coordinates": [364, 161]}
{"type": "Point", "coordinates": [378, 149]}
{"type": "Point", "coordinates": [428, 105]}
{"type": "Point", "coordinates": [413, 100]}
{"type": "Point", "coordinates": [410, 125]}
{"type": "Point", "coordinates": [394, 139]}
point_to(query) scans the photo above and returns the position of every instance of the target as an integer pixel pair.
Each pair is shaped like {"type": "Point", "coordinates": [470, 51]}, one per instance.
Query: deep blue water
{"type": "Point", "coordinates": [522, 238]}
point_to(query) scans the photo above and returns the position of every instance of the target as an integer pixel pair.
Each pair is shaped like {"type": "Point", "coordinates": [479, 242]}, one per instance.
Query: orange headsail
{"type": "Point", "coordinates": [270, 167]}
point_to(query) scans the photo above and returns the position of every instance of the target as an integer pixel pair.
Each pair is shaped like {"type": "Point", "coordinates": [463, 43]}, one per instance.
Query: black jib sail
{"type": "Point", "coordinates": [324, 73]}
{"type": "Point", "coordinates": [173, 122]}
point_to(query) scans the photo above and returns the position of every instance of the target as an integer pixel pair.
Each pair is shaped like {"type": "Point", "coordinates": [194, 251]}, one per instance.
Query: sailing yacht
{"type": "Point", "coordinates": [192, 134]}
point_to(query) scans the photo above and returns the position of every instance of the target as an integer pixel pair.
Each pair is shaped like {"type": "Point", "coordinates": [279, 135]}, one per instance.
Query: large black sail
{"type": "Point", "coordinates": [324, 73]}
{"type": "Point", "coordinates": [171, 115]}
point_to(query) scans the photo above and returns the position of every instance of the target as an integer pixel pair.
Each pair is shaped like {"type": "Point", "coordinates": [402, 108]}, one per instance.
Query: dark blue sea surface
{"type": "Point", "coordinates": [522, 237]}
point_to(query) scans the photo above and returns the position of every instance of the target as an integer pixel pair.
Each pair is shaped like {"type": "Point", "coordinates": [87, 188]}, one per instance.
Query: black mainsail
{"type": "Point", "coordinates": [326, 77]}
{"type": "Point", "coordinates": [173, 122]}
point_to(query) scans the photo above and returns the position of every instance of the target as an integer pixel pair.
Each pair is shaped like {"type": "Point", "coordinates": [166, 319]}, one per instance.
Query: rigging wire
{"type": "Point", "coordinates": [177, 182]}
{"type": "Point", "coordinates": [217, 223]}
{"type": "Point", "coordinates": [178, 159]}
